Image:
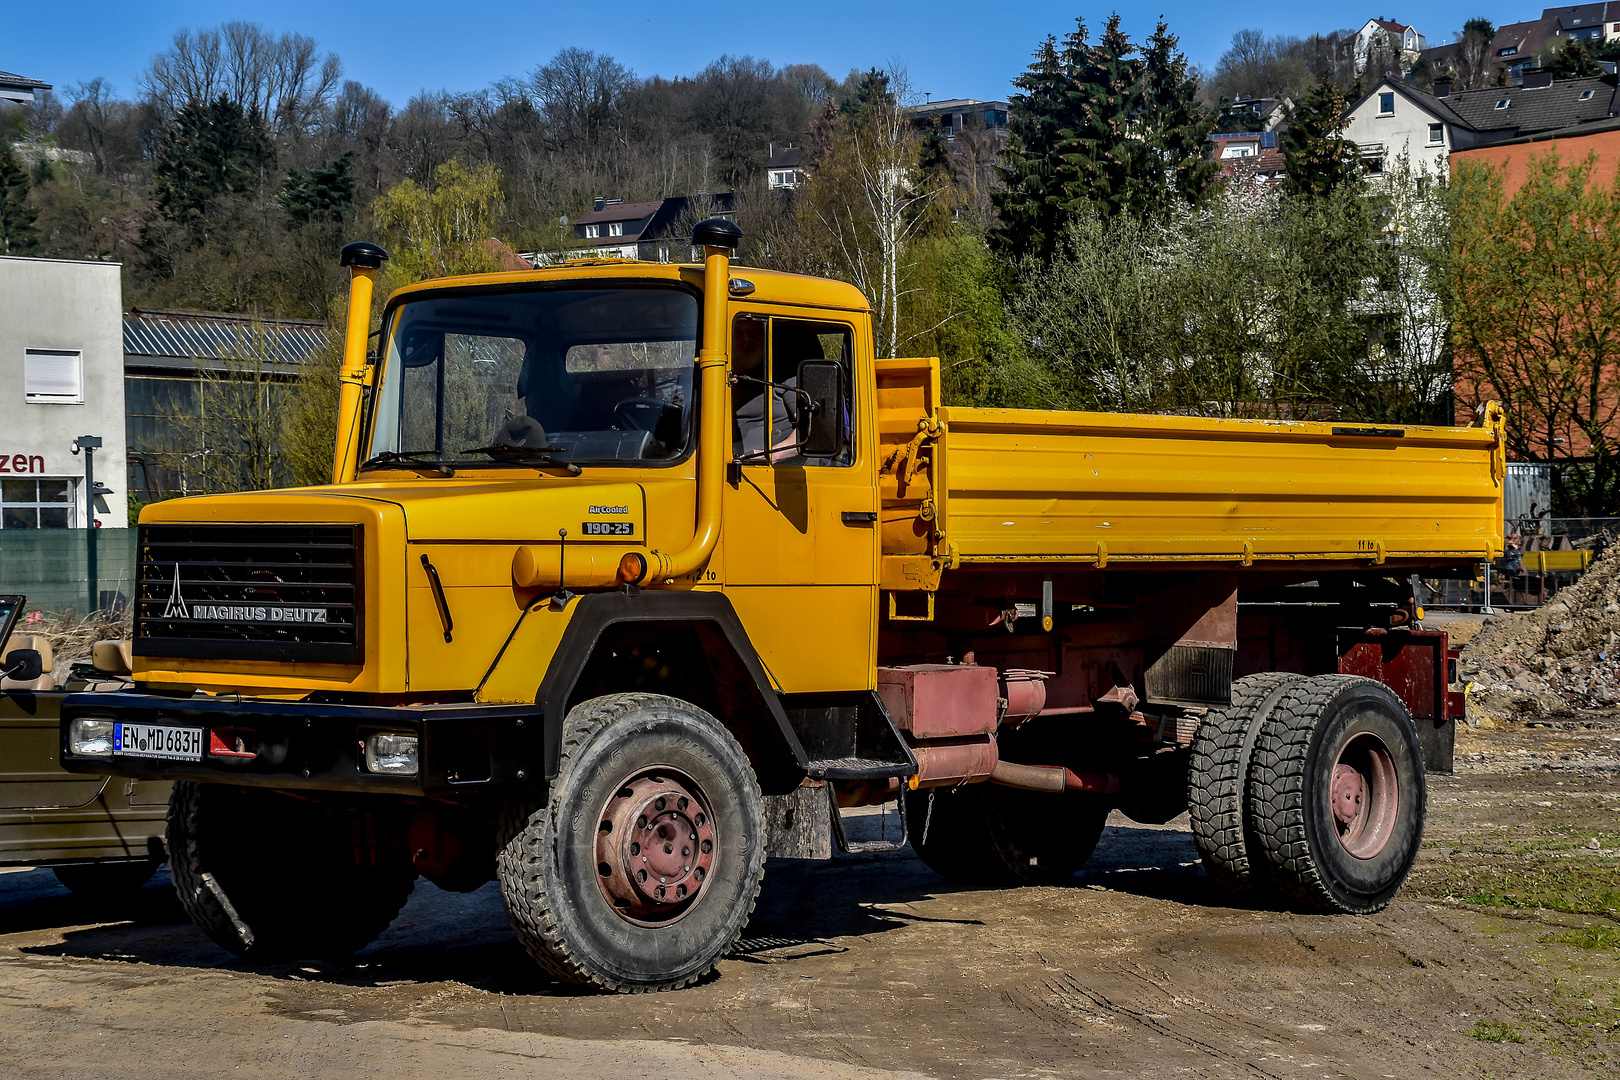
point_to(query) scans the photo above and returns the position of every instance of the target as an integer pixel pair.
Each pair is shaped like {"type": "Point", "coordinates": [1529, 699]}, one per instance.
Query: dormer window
{"type": "Point", "coordinates": [616, 228]}
{"type": "Point", "coordinates": [1503, 103]}
{"type": "Point", "coordinates": [1511, 50]}
{"type": "Point", "coordinates": [592, 232]}
{"type": "Point", "coordinates": [1586, 95]}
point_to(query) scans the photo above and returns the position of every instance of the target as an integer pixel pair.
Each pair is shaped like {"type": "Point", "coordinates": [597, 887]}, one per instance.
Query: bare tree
{"type": "Point", "coordinates": [1471, 66]}
{"type": "Point", "coordinates": [578, 91]}
{"type": "Point", "coordinates": [283, 78]}
{"type": "Point", "coordinates": [867, 197]}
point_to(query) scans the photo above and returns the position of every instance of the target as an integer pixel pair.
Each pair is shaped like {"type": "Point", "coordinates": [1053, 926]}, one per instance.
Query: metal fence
{"type": "Point", "coordinates": [1544, 554]}
{"type": "Point", "coordinates": [48, 567]}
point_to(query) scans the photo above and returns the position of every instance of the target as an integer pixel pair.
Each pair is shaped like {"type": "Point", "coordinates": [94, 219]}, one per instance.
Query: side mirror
{"type": "Point", "coordinates": [821, 426]}
{"type": "Point", "coordinates": [23, 665]}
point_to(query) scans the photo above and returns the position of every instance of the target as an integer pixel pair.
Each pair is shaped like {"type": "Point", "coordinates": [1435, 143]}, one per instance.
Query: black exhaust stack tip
{"type": "Point", "coordinates": [364, 254]}
{"type": "Point", "coordinates": [716, 232]}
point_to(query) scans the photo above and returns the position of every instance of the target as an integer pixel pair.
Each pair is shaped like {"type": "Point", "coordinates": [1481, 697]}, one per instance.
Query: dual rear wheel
{"type": "Point", "coordinates": [1311, 790]}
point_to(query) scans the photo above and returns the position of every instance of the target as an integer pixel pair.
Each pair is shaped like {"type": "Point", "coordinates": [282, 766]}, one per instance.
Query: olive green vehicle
{"type": "Point", "coordinates": [99, 834]}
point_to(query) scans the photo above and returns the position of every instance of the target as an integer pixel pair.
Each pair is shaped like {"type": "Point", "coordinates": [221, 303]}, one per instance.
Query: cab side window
{"type": "Point", "coordinates": [772, 349]}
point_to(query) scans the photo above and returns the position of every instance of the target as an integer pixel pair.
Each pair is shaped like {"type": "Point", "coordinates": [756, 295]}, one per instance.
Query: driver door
{"type": "Point", "coordinates": [801, 537]}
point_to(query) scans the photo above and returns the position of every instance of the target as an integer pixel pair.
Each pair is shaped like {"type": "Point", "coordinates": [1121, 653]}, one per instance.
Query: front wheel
{"type": "Point", "coordinates": [1337, 793]}
{"type": "Point", "coordinates": [639, 868]}
{"type": "Point", "coordinates": [271, 876]}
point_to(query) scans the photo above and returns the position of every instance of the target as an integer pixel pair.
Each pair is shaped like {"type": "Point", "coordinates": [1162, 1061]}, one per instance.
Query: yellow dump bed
{"type": "Point", "coordinates": [1021, 485]}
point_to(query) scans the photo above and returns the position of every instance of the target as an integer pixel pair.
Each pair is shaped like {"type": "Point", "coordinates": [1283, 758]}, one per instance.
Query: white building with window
{"type": "Point", "coordinates": [61, 376]}
{"type": "Point", "coordinates": [1394, 118]}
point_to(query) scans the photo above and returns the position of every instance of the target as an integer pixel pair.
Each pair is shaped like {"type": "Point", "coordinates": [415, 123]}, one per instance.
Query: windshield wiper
{"type": "Point", "coordinates": [526, 455]}
{"type": "Point", "coordinates": [405, 458]}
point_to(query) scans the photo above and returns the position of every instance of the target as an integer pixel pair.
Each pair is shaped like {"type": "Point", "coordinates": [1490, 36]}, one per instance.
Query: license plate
{"type": "Point", "coordinates": [158, 741]}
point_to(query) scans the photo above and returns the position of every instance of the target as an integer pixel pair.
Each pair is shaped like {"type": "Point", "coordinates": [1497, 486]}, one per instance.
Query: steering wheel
{"type": "Point", "coordinates": [639, 413]}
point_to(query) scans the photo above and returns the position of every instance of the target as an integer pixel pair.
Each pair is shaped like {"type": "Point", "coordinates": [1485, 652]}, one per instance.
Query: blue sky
{"type": "Point", "coordinates": [951, 48]}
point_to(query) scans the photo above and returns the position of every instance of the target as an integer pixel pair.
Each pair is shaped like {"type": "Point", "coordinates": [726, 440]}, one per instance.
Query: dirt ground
{"type": "Point", "coordinates": [1501, 958]}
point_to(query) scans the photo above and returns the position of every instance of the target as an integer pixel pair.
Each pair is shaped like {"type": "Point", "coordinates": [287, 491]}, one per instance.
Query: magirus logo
{"type": "Point", "coordinates": [177, 608]}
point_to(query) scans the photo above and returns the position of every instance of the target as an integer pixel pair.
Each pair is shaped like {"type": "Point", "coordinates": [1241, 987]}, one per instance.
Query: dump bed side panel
{"type": "Point", "coordinates": [1101, 488]}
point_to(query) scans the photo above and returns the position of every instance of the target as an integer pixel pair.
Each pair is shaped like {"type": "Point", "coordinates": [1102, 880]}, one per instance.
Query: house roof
{"type": "Point", "coordinates": [624, 211]}
{"type": "Point", "coordinates": [955, 105]}
{"type": "Point", "coordinates": [175, 339]}
{"type": "Point", "coordinates": [656, 217]}
{"type": "Point", "coordinates": [789, 157]}
{"type": "Point", "coordinates": [19, 88]}
{"type": "Point", "coordinates": [1579, 17]}
{"type": "Point", "coordinates": [1574, 131]}
{"type": "Point", "coordinates": [1531, 109]}
{"type": "Point", "coordinates": [1437, 107]}
{"type": "Point", "coordinates": [11, 80]}
{"type": "Point", "coordinates": [1267, 139]}
{"type": "Point", "coordinates": [1391, 25]}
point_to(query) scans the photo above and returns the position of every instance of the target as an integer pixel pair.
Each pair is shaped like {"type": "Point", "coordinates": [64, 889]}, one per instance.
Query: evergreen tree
{"type": "Point", "coordinates": [1238, 117]}
{"type": "Point", "coordinates": [325, 194]}
{"type": "Point", "coordinates": [1574, 62]}
{"type": "Point", "coordinates": [1175, 126]}
{"type": "Point", "coordinates": [1030, 205]}
{"type": "Point", "coordinates": [209, 149]}
{"type": "Point", "coordinates": [1319, 159]}
{"type": "Point", "coordinates": [17, 233]}
{"type": "Point", "coordinates": [1099, 129]}
{"type": "Point", "coordinates": [1105, 105]}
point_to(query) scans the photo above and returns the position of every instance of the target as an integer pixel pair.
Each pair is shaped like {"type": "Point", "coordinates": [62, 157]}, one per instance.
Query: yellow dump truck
{"type": "Point", "coordinates": [631, 575]}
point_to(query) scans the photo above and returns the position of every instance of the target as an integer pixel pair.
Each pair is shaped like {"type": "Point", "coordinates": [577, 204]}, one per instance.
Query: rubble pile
{"type": "Point", "coordinates": [1560, 657]}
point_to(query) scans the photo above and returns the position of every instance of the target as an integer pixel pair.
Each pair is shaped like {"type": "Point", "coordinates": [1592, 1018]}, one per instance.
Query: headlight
{"type": "Point", "coordinates": [391, 754]}
{"type": "Point", "coordinates": [92, 738]}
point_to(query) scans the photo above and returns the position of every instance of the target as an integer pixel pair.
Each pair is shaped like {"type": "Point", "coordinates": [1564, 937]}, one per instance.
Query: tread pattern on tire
{"type": "Point", "coordinates": [1216, 790]}
{"type": "Point", "coordinates": [523, 835]}
{"type": "Point", "coordinates": [1277, 780]}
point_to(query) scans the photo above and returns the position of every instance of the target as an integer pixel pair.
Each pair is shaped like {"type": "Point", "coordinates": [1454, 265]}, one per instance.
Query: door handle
{"type": "Point", "coordinates": [858, 517]}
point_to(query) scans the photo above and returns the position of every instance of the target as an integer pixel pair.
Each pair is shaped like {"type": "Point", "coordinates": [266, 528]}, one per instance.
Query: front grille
{"type": "Point", "coordinates": [249, 592]}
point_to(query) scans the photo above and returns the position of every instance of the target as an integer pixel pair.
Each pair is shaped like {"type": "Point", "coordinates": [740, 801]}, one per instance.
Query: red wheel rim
{"type": "Point", "coordinates": [655, 846]}
{"type": "Point", "coordinates": [1365, 795]}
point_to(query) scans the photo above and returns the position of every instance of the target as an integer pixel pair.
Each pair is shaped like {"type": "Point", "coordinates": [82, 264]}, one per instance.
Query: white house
{"type": "Point", "coordinates": [1405, 41]}
{"type": "Point", "coordinates": [1394, 118]}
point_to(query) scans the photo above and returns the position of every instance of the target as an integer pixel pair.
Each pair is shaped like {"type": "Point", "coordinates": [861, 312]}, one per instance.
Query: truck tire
{"type": "Point", "coordinates": [1217, 782]}
{"type": "Point", "coordinates": [106, 879]}
{"type": "Point", "coordinates": [274, 877]}
{"type": "Point", "coordinates": [1045, 839]}
{"type": "Point", "coordinates": [984, 834]}
{"type": "Point", "coordinates": [949, 830]}
{"type": "Point", "coordinates": [639, 867]}
{"type": "Point", "coordinates": [1337, 794]}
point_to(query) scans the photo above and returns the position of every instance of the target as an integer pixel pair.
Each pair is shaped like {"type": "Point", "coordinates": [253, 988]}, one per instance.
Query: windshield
{"type": "Point", "coordinates": [568, 376]}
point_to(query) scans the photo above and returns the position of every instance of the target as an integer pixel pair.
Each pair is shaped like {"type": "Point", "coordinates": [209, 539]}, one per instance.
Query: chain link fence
{"type": "Point", "coordinates": [1544, 554]}
{"type": "Point", "coordinates": [48, 566]}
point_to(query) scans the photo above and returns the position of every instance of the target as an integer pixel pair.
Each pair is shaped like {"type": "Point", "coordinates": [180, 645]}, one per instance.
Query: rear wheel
{"type": "Point", "coordinates": [1217, 778]}
{"type": "Point", "coordinates": [950, 832]}
{"type": "Point", "coordinates": [272, 876]}
{"type": "Point", "coordinates": [639, 868]}
{"type": "Point", "coordinates": [992, 835]}
{"type": "Point", "coordinates": [1044, 839]}
{"type": "Point", "coordinates": [1338, 793]}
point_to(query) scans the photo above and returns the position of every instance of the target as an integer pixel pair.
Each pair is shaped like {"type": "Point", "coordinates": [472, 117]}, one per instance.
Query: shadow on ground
{"type": "Point", "coordinates": [465, 938]}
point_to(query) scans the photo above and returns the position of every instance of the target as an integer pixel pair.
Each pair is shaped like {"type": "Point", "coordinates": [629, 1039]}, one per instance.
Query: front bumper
{"type": "Point", "coordinates": [464, 748]}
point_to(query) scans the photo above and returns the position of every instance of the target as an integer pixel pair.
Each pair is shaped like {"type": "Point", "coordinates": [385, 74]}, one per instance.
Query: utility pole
{"type": "Point", "coordinates": [90, 444]}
